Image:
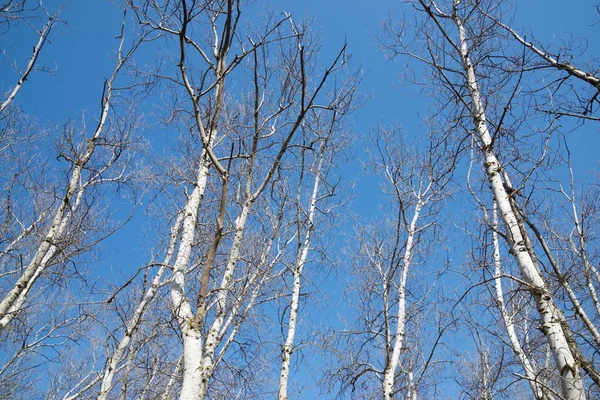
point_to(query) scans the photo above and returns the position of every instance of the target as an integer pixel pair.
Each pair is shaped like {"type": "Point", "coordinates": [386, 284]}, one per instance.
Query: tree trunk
{"type": "Point", "coordinates": [134, 321]}
{"type": "Point", "coordinates": [390, 370]}
{"type": "Point", "coordinates": [571, 383]}
{"type": "Point", "coordinates": [530, 372]}
{"type": "Point", "coordinates": [287, 348]}
{"type": "Point", "coordinates": [192, 338]}
{"type": "Point", "coordinates": [207, 363]}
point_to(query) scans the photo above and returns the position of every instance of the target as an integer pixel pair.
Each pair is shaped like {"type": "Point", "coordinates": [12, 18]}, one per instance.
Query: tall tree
{"type": "Point", "coordinates": [314, 202]}
{"type": "Point", "coordinates": [397, 272]}
{"type": "Point", "coordinates": [458, 58]}
{"type": "Point", "coordinates": [50, 221]}
{"type": "Point", "coordinates": [20, 12]}
{"type": "Point", "coordinates": [246, 97]}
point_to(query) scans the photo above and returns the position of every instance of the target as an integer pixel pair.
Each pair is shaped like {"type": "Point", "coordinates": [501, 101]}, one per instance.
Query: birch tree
{"type": "Point", "coordinates": [17, 12]}
{"type": "Point", "coordinates": [54, 213]}
{"type": "Point", "coordinates": [386, 344]}
{"type": "Point", "coordinates": [507, 350]}
{"type": "Point", "coordinates": [462, 29]}
{"type": "Point", "coordinates": [245, 134]}
{"type": "Point", "coordinates": [539, 390]}
{"type": "Point", "coordinates": [568, 244]}
{"type": "Point", "coordinates": [78, 157]}
{"type": "Point", "coordinates": [314, 192]}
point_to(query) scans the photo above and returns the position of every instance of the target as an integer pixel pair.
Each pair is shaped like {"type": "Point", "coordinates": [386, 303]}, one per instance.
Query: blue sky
{"type": "Point", "coordinates": [80, 55]}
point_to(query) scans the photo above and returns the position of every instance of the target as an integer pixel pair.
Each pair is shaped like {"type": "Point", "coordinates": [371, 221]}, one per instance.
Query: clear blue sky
{"type": "Point", "coordinates": [80, 55]}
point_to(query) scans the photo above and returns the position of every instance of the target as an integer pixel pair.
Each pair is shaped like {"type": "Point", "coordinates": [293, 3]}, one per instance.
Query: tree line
{"type": "Point", "coordinates": [241, 207]}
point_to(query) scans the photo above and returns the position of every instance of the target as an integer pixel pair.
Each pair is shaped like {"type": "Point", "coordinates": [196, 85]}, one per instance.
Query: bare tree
{"type": "Point", "coordinates": [584, 105]}
{"type": "Point", "coordinates": [317, 160]}
{"type": "Point", "coordinates": [387, 342]}
{"type": "Point", "coordinates": [82, 176]}
{"type": "Point", "coordinates": [54, 215]}
{"type": "Point", "coordinates": [13, 13]}
{"type": "Point", "coordinates": [459, 58]}
{"type": "Point", "coordinates": [221, 251]}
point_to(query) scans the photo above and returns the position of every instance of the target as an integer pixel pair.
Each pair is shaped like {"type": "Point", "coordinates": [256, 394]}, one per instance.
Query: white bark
{"type": "Point", "coordinates": [193, 387]}
{"type": "Point", "coordinates": [199, 358]}
{"type": "Point", "coordinates": [287, 348]}
{"type": "Point", "coordinates": [13, 301]}
{"type": "Point", "coordinates": [134, 321]}
{"type": "Point", "coordinates": [10, 304]}
{"type": "Point", "coordinates": [530, 372]}
{"type": "Point", "coordinates": [21, 298]}
{"type": "Point", "coordinates": [192, 339]}
{"type": "Point", "coordinates": [16, 296]}
{"type": "Point", "coordinates": [43, 35]}
{"type": "Point", "coordinates": [563, 281]}
{"type": "Point", "coordinates": [253, 285]}
{"type": "Point", "coordinates": [567, 368]}
{"type": "Point", "coordinates": [195, 381]}
{"type": "Point", "coordinates": [207, 363]}
{"type": "Point", "coordinates": [229, 313]}
{"type": "Point", "coordinates": [389, 373]}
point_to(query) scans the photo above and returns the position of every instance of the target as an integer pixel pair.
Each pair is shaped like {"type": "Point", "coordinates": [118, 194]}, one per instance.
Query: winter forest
{"type": "Point", "coordinates": [236, 199]}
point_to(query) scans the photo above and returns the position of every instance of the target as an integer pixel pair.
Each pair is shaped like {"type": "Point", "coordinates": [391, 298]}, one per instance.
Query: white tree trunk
{"type": "Point", "coordinates": [567, 368]}
{"type": "Point", "coordinates": [33, 270]}
{"type": "Point", "coordinates": [390, 370]}
{"type": "Point", "coordinates": [287, 348]}
{"type": "Point", "coordinates": [193, 387]}
{"type": "Point", "coordinates": [22, 294]}
{"type": "Point", "coordinates": [192, 338]}
{"type": "Point", "coordinates": [530, 372]}
{"type": "Point", "coordinates": [15, 298]}
{"type": "Point", "coordinates": [207, 358]}
{"type": "Point", "coordinates": [134, 321]}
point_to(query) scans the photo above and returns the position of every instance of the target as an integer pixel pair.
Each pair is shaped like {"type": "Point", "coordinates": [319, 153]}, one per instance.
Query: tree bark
{"type": "Point", "coordinates": [287, 348]}
{"type": "Point", "coordinates": [390, 369]}
{"type": "Point", "coordinates": [192, 337]}
{"type": "Point", "coordinates": [530, 373]}
{"type": "Point", "coordinates": [567, 368]}
{"type": "Point", "coordinates": [133, 323]}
